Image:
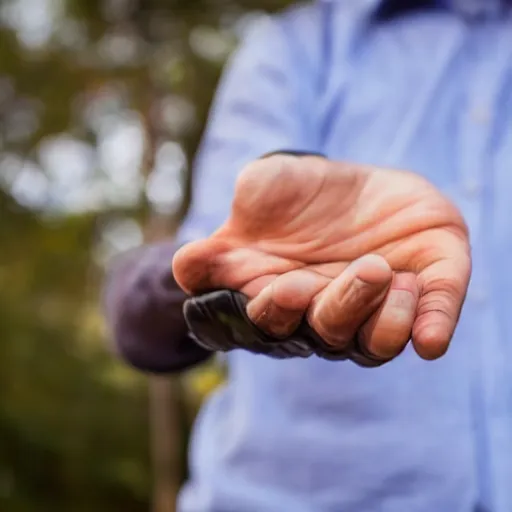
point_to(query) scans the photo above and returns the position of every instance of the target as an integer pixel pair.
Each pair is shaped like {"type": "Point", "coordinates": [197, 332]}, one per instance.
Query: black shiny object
{"type": "Point", "coordinates": [218, 322]}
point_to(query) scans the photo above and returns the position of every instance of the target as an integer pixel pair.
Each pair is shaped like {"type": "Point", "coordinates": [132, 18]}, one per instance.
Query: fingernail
{"type": "Point", "coordinates": [269, 317]}
{"type": "Point", "coordinates": [257, 306]}
{"type": "Point", "coordinates": [277, 321]}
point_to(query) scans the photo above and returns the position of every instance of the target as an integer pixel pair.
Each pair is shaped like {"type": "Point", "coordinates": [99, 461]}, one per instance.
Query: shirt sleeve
{"type": "Point", "coordinates": [143, 308]}
{"type": "Point", "coordinates": [256, 111]}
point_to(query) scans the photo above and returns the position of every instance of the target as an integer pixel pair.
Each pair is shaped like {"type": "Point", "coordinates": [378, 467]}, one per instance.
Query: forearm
{"type": "Point", "coordinates": [144, 312]}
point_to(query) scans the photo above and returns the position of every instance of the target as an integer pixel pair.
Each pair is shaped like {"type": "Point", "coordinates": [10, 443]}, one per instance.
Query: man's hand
{"type": "Point", "coordinates": [361, 251]}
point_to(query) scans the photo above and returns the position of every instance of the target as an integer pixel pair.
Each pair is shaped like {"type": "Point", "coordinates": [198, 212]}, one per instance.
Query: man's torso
{"type": "Point", "coordinates": [432, 93]}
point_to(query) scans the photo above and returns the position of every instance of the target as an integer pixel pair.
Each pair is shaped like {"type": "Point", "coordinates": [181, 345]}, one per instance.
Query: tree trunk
{"type": "Point", "coordinates": [166, 441]}
{"type": "Point", "coordinates": [165, 393]}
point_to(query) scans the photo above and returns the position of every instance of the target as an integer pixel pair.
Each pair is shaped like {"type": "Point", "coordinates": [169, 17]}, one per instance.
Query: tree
{"type": "Point", "coordinates": [102, 105]}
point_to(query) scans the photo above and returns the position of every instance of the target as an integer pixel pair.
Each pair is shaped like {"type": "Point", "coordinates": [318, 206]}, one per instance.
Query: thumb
{"type": "Point", "coordinates": [194, 264]}
{"type": "Point", "coordinates": [221, 262]}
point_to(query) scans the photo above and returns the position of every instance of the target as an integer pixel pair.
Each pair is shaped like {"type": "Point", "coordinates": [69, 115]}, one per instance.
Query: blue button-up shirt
{"type": "Point", "coordinates": [424, 86]}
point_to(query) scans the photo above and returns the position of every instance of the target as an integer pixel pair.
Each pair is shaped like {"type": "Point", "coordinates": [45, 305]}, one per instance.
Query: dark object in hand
{"type": "Point", "coordinates": [218, 322]}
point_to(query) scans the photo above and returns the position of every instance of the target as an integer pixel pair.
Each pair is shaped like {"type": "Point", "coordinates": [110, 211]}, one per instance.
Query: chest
{"type": "Point", "coordinates": [430, 94]}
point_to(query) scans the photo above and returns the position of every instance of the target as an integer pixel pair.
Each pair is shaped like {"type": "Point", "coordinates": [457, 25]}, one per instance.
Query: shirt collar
{"type": "Point", "coordinates": [477, 8]}
{"type": "Point", "coordinates": [466, 8]}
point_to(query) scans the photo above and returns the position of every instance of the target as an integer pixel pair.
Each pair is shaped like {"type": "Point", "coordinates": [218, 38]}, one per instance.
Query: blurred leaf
{"type": "Point", "coordinates": [108, 80]}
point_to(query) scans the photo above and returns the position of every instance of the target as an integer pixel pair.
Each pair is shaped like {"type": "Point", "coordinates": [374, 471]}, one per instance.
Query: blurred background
{"type": "Point", "coordinates": [102, 105]}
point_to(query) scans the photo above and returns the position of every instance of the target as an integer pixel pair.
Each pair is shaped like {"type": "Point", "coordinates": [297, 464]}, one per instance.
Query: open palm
{"type": "Point", "coordinates": [362, 251]}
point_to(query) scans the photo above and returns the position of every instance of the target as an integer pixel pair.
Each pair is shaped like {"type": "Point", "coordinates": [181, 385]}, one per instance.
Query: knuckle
{"type": "Point", "coordinates": [440, 294]}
